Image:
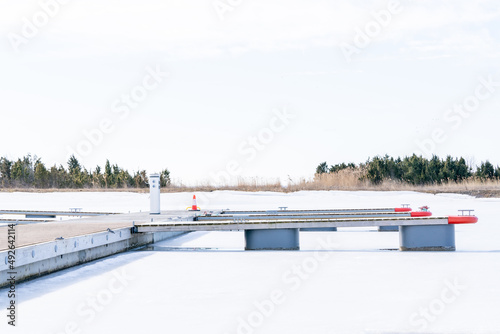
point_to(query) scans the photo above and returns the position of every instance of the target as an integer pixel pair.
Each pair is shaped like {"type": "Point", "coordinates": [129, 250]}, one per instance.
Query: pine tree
{"type": "Point", "coordinates": [141, 179]}
{"type": "Point", "coordinates": [108, 175]}
{"type": "Point", "coordinates": [375, 171]}
{"type": "Point", "coordinates": [5, 171]}
{"type": "Point", "coordinates": [486, 170]}
{"type": "Point", "coordinates": [322, 168]}
{"type": "Point", "coordinates": [41, 175]}
{"type": "Point", "coordinates": [165, 178]}
{"type": "Point", "coordinates": [75, 172]}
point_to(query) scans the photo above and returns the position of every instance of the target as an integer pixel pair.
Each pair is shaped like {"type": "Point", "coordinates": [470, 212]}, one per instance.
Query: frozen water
{"type": "Point", "coordinates": [348, 281]}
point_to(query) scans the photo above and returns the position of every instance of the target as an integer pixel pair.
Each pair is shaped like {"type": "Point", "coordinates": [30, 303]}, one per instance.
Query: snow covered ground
{"type": "Point", "coordinates": [350, 281]}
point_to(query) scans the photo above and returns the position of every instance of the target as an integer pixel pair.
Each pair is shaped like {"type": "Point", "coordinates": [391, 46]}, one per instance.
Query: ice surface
{"type": "Point", "coordinates": [350, 281]}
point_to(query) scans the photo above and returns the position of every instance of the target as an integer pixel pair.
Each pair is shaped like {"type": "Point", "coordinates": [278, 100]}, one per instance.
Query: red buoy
{"type": "Point", "coordinates": [462, 219]}
{"type": "Point", "coordinates": [402, 210]}
{"type": "Point", "coordinates": [421, 214]}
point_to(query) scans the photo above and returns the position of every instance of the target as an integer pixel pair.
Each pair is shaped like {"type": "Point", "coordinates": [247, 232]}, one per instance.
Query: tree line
{"type": "Point", "coordinates": [416, 170]}
{"type": "Point", "coordinates": [31, 172]}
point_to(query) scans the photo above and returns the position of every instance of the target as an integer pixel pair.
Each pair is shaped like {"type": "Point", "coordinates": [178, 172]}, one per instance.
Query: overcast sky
{"type": "Point", "coordinates": [248, 88]}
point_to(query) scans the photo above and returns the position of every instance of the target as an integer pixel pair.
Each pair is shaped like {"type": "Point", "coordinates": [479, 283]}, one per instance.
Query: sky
{"type": "Point", "coordinates": [216, 90]}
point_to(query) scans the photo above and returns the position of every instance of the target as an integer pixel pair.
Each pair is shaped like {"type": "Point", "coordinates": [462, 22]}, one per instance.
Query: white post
{"type": "Point", "coordinates": [154, 194]}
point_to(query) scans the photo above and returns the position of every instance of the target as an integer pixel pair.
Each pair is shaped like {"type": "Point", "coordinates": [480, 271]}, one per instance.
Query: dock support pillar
{"type": "Point", "coordinates": [273, 239]}
{"type": "Point", "coordinates": [388, 228]}
{"type": "Point", "coordinates": [427, 238]}
{"type": "Point", "coordinates": [319, 229]}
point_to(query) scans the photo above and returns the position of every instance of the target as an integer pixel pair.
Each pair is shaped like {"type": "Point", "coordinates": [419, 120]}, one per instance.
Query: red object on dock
{"type": "Point", "coordinates": [462, 219]}
{"type": "Point", "coordinates": [194, 207]}
{"type": "Point", "coordinates": [421, 214]}
{"type": "Point", "coordinates": [402, 210]}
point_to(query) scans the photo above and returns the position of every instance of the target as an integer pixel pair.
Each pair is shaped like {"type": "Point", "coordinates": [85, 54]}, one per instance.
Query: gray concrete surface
{"type": "Point", "coordinates": [278, 239]}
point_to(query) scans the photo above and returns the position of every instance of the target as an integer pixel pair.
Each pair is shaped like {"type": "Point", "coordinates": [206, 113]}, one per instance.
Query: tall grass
{"type": "Point", "coordinates": [346, 179]}
{"type": "Point", "coordinates": [352, 179]}
{"type": "Point", "coordinates": [241, 184]}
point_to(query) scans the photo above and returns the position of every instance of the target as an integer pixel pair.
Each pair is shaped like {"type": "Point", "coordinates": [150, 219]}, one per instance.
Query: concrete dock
{"type": "Point", "coordinates": [273, 223]}
{"type": "Point", "coordinates": [32, 234]}
{"type": "Point", "coordinates": [43, 248]}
